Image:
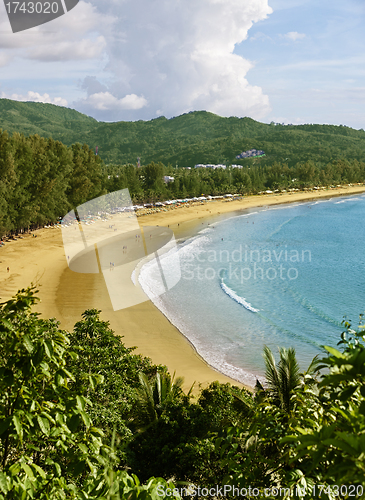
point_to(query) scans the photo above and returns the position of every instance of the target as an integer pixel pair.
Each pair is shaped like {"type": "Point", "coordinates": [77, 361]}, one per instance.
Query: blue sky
{"type": "Point", "coordinates": [297, 61]}
{"type": "Point", "coordinates": [310, 60]}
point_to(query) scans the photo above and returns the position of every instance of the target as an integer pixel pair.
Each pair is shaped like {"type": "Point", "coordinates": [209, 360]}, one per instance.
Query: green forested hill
{"type": "Point", "coordinates": [196, 137]}
{"type": "Point", "coordinates": [46, 120]}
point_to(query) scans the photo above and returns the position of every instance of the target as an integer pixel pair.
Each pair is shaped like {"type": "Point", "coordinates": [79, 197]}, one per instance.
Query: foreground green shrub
{"type": "Point", "coordinates": [49, 447]}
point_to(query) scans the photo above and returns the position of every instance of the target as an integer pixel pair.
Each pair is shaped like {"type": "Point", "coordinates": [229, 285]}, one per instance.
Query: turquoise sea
{"type": "Point", "coordinates": [281, 276]}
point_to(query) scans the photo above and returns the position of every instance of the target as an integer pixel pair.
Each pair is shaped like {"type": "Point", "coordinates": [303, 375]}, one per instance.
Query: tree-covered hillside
{"type": "Point", "coordinates": [196, 137]}
{"type": "Point", "coordinates": [46, 120]}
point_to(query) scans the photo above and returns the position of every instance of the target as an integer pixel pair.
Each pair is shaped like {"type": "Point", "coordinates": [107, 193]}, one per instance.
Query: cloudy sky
{"type": "Point", "coordinates": [290, 61]}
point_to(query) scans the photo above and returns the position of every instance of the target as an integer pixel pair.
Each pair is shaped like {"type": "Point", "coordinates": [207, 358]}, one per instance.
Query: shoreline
{"type": "Point", "coordinates": [65, 294]}
{"type": "Point", "coordinates": [234, 209]}
{"type": "Point", "coordinates": [207, 209]}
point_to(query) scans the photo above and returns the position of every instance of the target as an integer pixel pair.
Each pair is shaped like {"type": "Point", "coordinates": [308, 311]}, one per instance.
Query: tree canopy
{"type": "Point", "coordinates": [42, 179]}
{"type": "Point", "coordinates": [82, 416]}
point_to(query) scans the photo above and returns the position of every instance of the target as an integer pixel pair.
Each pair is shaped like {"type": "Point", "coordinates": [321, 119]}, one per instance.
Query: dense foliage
{"type": "Point", "coordinates": [42, 179]}
{"type": "Point", "coordinates": [196, 137]}
{"type": "Point", "coordinates": [81, 415]}
{"type": "Point", "coordinates": [146, 183]}
{"type": "Point", "coordinates": [100, 351]}
{"type": "Point", "coordinates": [49, 446]}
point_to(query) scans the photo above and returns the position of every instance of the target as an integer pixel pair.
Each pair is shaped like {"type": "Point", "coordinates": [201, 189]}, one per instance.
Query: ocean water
{"type": "Point", "coordinates": [281, 276]}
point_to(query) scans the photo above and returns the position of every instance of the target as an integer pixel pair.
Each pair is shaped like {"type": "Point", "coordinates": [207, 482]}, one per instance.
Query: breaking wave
{"type": "Point", "coordinates": [237, 298]}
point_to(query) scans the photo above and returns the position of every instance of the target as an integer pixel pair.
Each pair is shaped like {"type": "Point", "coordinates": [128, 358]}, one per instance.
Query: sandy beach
{"type": "Point", "coordinates": [66, 294]}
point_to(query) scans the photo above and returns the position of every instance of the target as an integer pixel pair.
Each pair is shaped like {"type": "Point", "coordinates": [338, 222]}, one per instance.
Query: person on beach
{"type": "Point", "coordinates": [8, 269]}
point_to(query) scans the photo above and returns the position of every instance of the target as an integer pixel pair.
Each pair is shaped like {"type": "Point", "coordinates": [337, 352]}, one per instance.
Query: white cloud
{"type": "Point", "coordinates": [179, 56]}
{"type": "Point", "coordinates": [72, 36]}
{"type": "Point", "coordinates": [294, 36]}
{"type": "Point", "coordinates": [4, 59]}
{"type": "Point", "coordinates": [146, 57]}
{"type": "Point", "coordinates": [70, 50]}
{"type": "Point", "coordinates": [105, 101]}
{"type": "Point", "coordinates": [35, 97]}
{"type": "Point", "coordinates": [260, 36]}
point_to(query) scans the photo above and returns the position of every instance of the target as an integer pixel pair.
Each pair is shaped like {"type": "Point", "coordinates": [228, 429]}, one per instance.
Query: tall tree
{"type": "Point", "coordinates": [86, 181]}
{"type": "Point", "coordinates": [8, 180]}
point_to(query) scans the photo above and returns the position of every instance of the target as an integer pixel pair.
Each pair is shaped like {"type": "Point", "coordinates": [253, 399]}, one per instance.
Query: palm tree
{"type": "Point", "coordinates": [153, 396]}
{"type": "Point", "coordinates": [282, 379]}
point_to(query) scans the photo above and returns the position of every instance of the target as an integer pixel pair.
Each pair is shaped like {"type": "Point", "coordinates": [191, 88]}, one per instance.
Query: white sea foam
{"type": "Point", "coordinates": [240, 300]}
{"type": "Point", "coordinates": [321, 201]}
{"type": "Point", "coordinates": [206, 230]}
{"type": "Point", "coordinates": [346, 200]}
{"type": "Point", "coordinates": [193, 245]}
